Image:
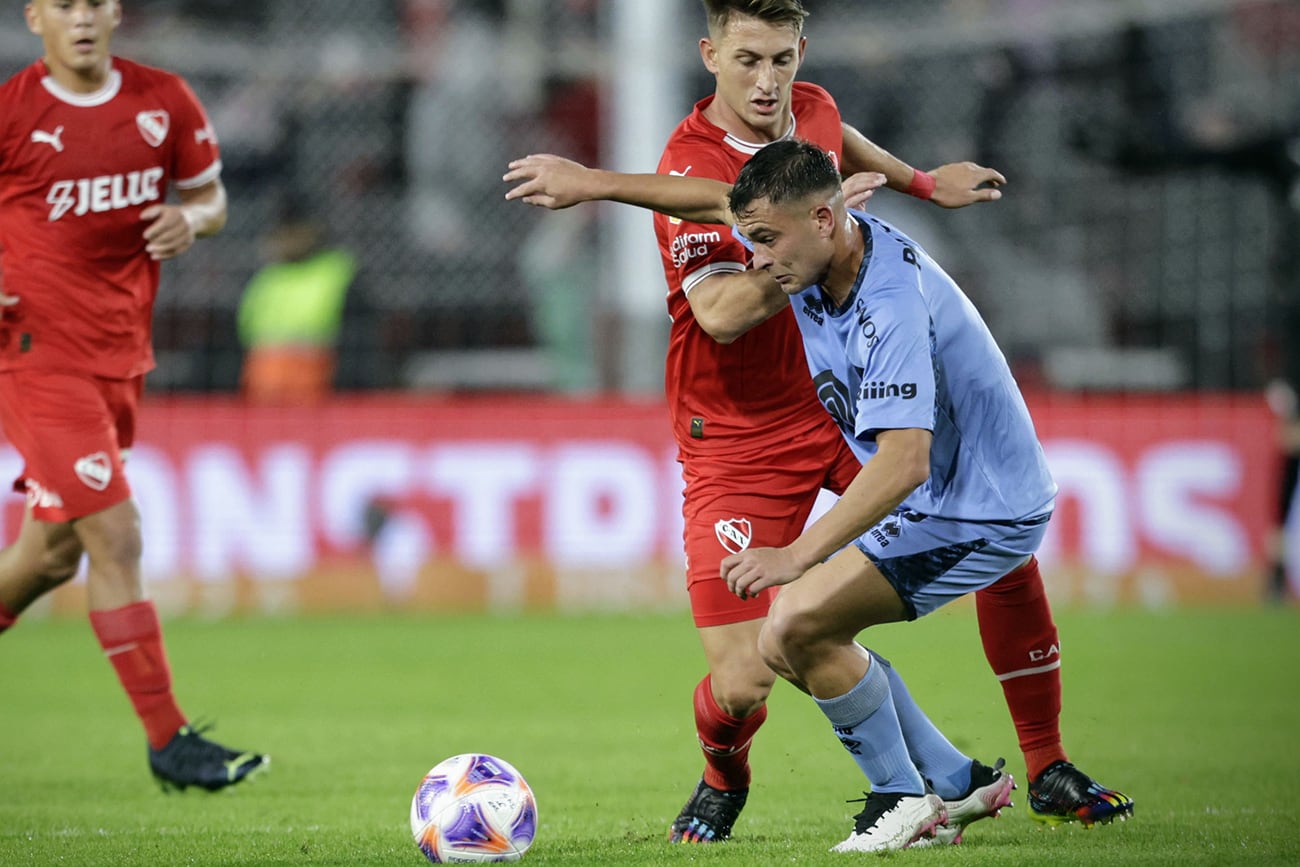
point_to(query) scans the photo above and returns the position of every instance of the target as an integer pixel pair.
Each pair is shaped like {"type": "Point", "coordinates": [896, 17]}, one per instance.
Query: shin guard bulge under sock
{"type": "Point", "coordinates": [725, 739]}
{"type": "Point", "coordinates": [1024, 651]}
{"type": "Point", "coordinates": [132, 640]}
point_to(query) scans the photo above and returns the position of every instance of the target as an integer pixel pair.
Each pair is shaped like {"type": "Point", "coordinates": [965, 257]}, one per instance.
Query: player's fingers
{"type": "Point", "coordinates": [520, 173]}
{"type": "Point", "coordinates": [857, 200]}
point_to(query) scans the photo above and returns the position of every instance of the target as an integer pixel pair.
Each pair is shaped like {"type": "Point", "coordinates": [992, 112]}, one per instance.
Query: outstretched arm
{"type": "Point", "coordinates": [954, 185]}
{"type": "Point", "coordinates": [554, 182]}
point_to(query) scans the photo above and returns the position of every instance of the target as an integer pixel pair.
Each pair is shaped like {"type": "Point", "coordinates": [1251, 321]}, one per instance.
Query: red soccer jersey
{"type": "Point", "coordinates": [754, 392]}
{"type": "Point", "coordinates": [76, 170]}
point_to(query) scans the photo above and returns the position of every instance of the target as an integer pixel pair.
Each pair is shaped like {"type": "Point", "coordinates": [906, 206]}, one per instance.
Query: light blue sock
{"type": "Point", "coordinates": [944, 766]}
{"type": "Point", "coordinates": [867, 724]}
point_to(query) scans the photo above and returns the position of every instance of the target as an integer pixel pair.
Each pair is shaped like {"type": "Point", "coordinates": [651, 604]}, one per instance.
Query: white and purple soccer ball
{"type": "Point", "coordinates": [473, 808]}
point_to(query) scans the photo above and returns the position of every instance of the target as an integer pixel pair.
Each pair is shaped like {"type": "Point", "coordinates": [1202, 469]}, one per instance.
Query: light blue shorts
{"type": "Point", "coordinates": [932, 561]}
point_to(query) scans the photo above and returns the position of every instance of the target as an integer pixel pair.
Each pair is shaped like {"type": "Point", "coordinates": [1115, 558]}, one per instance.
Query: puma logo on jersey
{"type": "Point", "coordinates": [205, 134]}
{"type": "Point", "coordinates": [53, 139]}
{"type": "Point", "coordinates": [104, 193]}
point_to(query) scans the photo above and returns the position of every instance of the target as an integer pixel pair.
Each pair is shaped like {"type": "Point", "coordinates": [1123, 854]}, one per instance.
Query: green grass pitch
{"type": "Point", "coordinates": [1194, 713]}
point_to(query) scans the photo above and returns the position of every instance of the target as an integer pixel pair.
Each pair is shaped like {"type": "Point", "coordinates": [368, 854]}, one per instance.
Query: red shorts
{"type": "Point", "coordinates": [734, 504]}
{"type": "Point", "coordinates": [71, 430]}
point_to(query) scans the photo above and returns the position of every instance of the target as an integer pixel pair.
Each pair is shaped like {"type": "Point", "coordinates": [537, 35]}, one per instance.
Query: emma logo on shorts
{"type": "Point", "coordinates": [734, 534]}
{"type": "Point", "coordinates": [95, 471]}
{"type": "Point", "coordinates": [41, 497]}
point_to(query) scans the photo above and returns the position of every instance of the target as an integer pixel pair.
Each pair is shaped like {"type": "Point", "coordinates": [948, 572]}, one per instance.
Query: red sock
{"type": "Point", "coordinates": [1022, 647]}
{"type": "Point", "coordinates": [724, 739]}
{"type": "Point", "coordinates": [7, 617]}
{"type": "Point", "coordinates": [132, 640]}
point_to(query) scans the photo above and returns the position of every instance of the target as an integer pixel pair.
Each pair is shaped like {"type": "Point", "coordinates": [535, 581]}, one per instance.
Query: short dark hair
{"type": "Point", "coordinates": [784, 171]}
{"type": "Point", "coordinates": [786, 13]}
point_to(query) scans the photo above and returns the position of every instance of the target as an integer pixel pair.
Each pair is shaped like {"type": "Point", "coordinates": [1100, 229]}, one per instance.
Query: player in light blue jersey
{"type": "Point", "coordinates": [953, 497]}
{"type": "Point", "coordinates": [905, 349]}
{"type": "Point", "coordinates": [954, 492]}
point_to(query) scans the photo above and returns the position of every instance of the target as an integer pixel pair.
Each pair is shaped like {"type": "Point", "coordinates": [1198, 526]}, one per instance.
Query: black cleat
{"type": "Point", "coordinates": [708, 815]}
{"type": "Point", "coordinates": [189, 759]}
{"type": "Point", "coordinates": [1063, 793]}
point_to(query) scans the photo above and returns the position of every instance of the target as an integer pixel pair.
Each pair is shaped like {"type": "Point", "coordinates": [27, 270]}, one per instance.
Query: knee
{"type": "Point", "coordinates": [787, 636]}
{"type": "Point", "coordinates": [123, 552]}
{"type": "Point", "coordinates": [740, 695]}
{"type": "Point", "coordinates": [770, 649]}
{"type": "Point", "coordinates": [59, 563]}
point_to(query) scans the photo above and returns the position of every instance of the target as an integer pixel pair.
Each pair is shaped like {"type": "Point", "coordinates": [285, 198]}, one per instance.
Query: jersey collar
{"type": "Point", "coordinates": [751, 148]}
{"type": "Point", "coordinates": [112, 85]}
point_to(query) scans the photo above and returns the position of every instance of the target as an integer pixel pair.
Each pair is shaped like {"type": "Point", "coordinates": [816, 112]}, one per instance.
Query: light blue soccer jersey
{"type": "Point", "coordinates": [909, 350]}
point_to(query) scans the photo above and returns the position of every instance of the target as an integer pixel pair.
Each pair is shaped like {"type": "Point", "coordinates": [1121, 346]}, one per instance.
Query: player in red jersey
{"type": "Point", "coordinates": [754, 440]}
{"type": "Point", "coordinates": [89, 145]}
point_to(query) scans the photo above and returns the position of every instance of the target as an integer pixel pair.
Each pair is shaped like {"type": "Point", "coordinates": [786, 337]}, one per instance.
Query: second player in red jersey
{"type": "Point", "coordinates": [756, 446]}
{"type": "Point", "coordinates": [90, 145]}
{"type": "Point", "coordinates": [67, 197]}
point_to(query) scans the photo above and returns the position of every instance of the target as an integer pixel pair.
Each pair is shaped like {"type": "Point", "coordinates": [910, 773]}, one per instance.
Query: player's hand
{"type": "Point", "coordinates": [548, 181]}
{"type": "Point", "coordinates": [750, 572]}
{"type": "Point", "coordinates": [957, 185]}
{"type": "Point", "coordinates": [168, 234]}
{"type": "Point", "coordinates": [859, 187]}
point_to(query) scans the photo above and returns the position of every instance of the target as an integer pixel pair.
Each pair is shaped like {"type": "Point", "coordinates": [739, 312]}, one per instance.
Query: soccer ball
{"type": "Point", "coordinates": [473, 807]}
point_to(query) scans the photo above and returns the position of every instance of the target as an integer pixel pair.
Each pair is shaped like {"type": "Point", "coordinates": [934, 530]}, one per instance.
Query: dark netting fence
{"type": "Point", "coordinates": [1148, 236]}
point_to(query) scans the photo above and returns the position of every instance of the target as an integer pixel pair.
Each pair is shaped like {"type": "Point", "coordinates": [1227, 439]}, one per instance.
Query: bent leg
{"type": "Point", "coordinates": [812, 628]}
{"type": "Point", "coordinates": [43, 556]}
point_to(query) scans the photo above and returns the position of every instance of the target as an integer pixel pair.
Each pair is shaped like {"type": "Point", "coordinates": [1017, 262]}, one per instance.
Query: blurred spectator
{"type": "Point", "coordinates": [460, 107]}
{"type": "Point", "coordinates": [1282, 400]}
{"type": "Point", "coordinates": [291, 314]}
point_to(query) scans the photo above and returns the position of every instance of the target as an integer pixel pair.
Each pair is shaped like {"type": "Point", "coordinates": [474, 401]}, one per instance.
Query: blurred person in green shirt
{"type": "Point", "coordinates": [291, 314]}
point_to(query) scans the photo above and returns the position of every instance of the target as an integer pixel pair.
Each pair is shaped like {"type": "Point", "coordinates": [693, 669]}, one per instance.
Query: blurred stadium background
{"type": "Point", "coordinates": [1142, 273]}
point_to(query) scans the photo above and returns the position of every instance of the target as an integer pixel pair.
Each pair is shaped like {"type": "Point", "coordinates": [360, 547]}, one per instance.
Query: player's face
{"type": "Point", "coordinates": [754, 63]}
{"type": "Point", "coordinates": [76, 34]}
{"type": "Point", "coordinates": [792, 242]}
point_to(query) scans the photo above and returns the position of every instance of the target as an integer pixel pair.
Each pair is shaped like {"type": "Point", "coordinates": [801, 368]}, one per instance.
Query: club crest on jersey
{"type": "Point", "coordinates": [95, 471]}
{"type": "Point", "coordinates": [734, 534]}
{"type": "Point", "coordinates": [153, 126]}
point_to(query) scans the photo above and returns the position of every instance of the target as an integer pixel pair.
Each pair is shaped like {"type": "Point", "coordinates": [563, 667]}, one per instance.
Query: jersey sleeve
{"type": "Point", "coordinates": [196, 160]}
{"type": "Point", "coordinates": [695, 251]}
{"type": "Point", "coordinates": [892, 344]}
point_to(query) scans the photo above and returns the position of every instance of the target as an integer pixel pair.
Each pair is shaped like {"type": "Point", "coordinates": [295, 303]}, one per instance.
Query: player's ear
{"type": "Point", "coordinates": [709, 54]}
{"type": "Point", "coordinates": [803, 46]}
{"type": "Point", "coordinates": [824, 216]}
{"type": "Point", "coordinates": [33, 20]}
{"type": "Point", "coordinates": [117, 12]}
